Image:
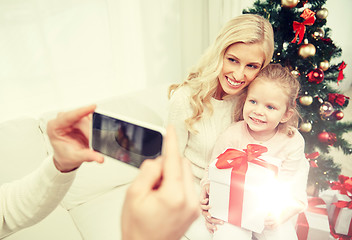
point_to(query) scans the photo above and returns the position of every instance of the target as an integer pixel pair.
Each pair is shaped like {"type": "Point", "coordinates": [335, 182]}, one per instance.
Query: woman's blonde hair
{"type": "Point", "coordinates": [290, 86]}
{"type": "Point", "coordinates": [203, 78]}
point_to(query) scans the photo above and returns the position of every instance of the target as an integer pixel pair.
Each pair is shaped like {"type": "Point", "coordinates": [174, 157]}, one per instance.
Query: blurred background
{"type": "Point", "coordinates": [59, 54]}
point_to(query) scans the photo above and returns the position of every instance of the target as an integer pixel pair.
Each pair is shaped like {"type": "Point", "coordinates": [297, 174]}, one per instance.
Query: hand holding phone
{"type": "Point", "coordinates": [127, 140]}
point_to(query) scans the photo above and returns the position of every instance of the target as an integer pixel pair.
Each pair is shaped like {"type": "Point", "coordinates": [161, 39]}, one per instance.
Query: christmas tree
{"type": "Point", "coordinates": [302, 44]}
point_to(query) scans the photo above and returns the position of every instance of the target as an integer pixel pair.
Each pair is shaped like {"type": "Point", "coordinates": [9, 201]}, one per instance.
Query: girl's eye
{"type": "Point", "coordinates": [252, 101]}
{"type": "Point", "coordinates": [270, 107]}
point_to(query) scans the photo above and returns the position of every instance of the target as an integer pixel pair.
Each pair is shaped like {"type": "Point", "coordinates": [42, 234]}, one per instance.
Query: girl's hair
{"type": "Point", "coordinates": [283, 78]}
{"type": "Point", "coordinates": [203, 78]}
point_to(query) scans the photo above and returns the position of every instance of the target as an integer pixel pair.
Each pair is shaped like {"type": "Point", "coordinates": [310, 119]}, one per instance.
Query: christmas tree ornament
{"type": "Point", "coordinates": [289, 3]}
{"type": "Point", "coordinates": [318, 33]}
{"type": "Point", "coordinates": [327, 137]}
{"type": "Point", "coordinates": [306, 100]}
{"type": "Point", "coordinates": [295, 73]}
{"type": "Point", "coordinates": [322, 13]}
{"type": "Point", "coordinates": [305, 127]}
{"type": "Point", "coordinates": [306, 49]}
{"type": "Point", "coordinates": [300, 28]}
{"type": "Point", "coordinates": [341, 68]}
{"type": "Point", "coordinates": [316, 76]}
{"type": "Point", "coordinates": [338, 114]}
{"type": "Point", "coordinates": [324, 65]}
{"type": "Point", "coordinates": [336, 98]}
{"type": "Point", "coordinates": [325, 110]}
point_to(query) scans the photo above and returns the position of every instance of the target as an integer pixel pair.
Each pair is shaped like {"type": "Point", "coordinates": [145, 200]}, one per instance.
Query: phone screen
{"type": "Point", "coordinates": [124, 141]}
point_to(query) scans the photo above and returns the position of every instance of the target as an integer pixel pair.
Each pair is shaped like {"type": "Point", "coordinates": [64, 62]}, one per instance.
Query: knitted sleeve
{"type": "Point", "coordinates": [179, 110]}
{"type": "Point", "coordinates": [27, 201]}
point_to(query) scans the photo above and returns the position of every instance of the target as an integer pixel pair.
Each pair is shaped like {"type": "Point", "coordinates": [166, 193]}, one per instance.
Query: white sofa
{"type": "Point", "coordinates": [91, 209]}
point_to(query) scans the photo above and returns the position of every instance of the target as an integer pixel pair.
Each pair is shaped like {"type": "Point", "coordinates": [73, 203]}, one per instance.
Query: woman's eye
{"type": "Point", "coordinates": [252, 101]}
{"type": "Point", "coordinates": [232, 60]}
{"type": "Point", "coordinates": [253, 66]}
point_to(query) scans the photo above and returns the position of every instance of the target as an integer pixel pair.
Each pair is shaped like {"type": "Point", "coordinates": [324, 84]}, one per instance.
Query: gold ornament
{"type": "Point", "coordinates": [319, 33]}
{"type": "Point", "coordinates": [289, 3]}
{"type": "Point", "coordinates": [295, 73]}
{"type": "Point", "coordinates": [325, 110]}
{"type": "Point", "coordinates": [305, 127]}
{"type": "Point", "coordinates": [306, 100]}
{"type": "Point", "coordinates": [322, 13]}
{"type": "Point", "coordinates": [306, 49]}
{"type": "Point", "coordinates": [324, 65]}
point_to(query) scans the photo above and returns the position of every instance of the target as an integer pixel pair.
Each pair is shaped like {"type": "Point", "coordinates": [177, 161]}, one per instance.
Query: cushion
{"type": "Point", "coordinates": [22, 148]}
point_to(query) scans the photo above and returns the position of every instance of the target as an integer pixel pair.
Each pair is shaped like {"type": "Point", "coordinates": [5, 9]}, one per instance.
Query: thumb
{"type": "Point", "coordinates": [149, 177]}
{"type": "Point", "coordinates": [89, 155]}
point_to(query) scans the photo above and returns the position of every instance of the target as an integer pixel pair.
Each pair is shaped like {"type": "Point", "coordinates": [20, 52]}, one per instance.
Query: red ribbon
{"type": "Point", "coordinates": [238, 161]}
{"type": "Point", "coordinates": [300, 28]}
{"type": "Point", "coordinates": [340, 99]}
{"type": "Point", "coordinates": [302, 222]}
{"type": "Point", "coordinates": [311, 157]}
{"type": "Point", "coordinates": [344, 185]}
{"type": "Point", "coordinates": [339, 205]}
{"type": "Point", "coordinates": [341, 68]}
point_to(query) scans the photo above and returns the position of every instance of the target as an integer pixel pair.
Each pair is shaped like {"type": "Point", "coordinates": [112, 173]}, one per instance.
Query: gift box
{"type": "Point", "coordinates": [238, 182]}
{"type": "Point", "coordinates": [314, 222]}
{"type": "Point", "coordinates": [340, 215]}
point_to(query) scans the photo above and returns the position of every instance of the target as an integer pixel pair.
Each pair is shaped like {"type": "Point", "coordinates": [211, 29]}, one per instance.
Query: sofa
{"type": "Point", "coordinates": [91, 209]}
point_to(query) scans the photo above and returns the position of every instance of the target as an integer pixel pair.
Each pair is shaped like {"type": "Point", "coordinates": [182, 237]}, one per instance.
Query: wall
{"type": "Point", "coordinates": [58, 54]}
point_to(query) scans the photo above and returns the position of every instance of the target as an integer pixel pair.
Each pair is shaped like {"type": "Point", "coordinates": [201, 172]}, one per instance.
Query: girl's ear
{"type": "Point", "coordinates": [289, 113]}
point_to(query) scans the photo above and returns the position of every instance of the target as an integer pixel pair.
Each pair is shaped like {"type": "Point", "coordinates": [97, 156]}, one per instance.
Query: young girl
{"type": "Point", "coordinates": [268, 117]}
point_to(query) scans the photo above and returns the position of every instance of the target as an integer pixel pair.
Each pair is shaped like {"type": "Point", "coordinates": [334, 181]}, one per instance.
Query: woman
{"type": "Point", "coordinates": [202, 106]}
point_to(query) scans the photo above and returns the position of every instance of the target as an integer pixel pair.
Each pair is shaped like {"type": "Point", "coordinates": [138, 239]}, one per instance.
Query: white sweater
{"type": "Point", "coordinates": [27, 201]}
{"type": "Point", "coordinates": [198, 147]}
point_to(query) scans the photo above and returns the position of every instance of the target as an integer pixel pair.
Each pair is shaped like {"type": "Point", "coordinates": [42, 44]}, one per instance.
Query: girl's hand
{"type": "Point", "coordinates": [210, 222]}
{"type": "Point", "coordinates": [271, 222]}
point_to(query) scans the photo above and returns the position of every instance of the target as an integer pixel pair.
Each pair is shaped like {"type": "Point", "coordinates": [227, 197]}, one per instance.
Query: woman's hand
{"type": "Point", "coordinates": [210, 222]}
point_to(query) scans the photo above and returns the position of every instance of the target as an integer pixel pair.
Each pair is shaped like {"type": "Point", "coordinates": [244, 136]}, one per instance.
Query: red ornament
{"type": "Point", "coordinates": [336, 98]}
{"type": "Point", "coordinates": [316, 76]}
{"type": "Point", "coordinates": [338, 115]}
{"type": "Point", "coordinates": [341, 68]}
{"type": "Point", "coordinates": [300, 28]}
{"type": "Point", "coordinates": [327, 137]}
{"type": "Point", "coordinates": [312, 159]}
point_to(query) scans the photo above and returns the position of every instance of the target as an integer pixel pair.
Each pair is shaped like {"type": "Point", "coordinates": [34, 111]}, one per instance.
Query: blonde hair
{"type": "Point", "coordinates": [290, 86]}
{"type": "Point", "coordinates": [202, 79]}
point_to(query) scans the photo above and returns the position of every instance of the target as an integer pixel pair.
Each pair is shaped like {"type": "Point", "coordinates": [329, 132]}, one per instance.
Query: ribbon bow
{"type": "Point", "coordinates": [343, 204]}
{"type": "Point", "coordinates": [238, 161]}
{"type": "Point", "coordinates": [300, 28]}
{"type": "Point", "coordinates": [337, 98]}
{"type": "Point", "coordinates": [343, 185]}
{"type": "Point", "coordinates": [341, 68]}
{"type": "Point", "coordinates": [233, 158]}
{"type": "Point", "coordinates": [311, 157]}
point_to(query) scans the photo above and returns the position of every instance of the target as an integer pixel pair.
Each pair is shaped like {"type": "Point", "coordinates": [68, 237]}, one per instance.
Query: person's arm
{"type": "Point", "coordinates": [224, 141]}
{"type": "Point", "coordinates": [178, 111]}
{"type": "Point", "coordinates": [294, 173]}
{"type": "Point", "coordinates": [161, 203]}
{"type": "Point", "coordinates": [27, 201]}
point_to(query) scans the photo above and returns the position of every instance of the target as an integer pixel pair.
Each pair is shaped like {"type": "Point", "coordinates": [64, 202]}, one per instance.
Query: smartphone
{"type": "Point", "coordinates": [127, 140]}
